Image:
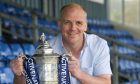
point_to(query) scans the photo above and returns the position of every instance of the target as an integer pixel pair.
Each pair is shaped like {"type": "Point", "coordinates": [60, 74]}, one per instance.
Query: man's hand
{"type": "Point", "coordinates": [74, 66]}
{"type": "Point", "coordinates": [84, 77]}
{"type": "Point", "coordinates": [17, 65]}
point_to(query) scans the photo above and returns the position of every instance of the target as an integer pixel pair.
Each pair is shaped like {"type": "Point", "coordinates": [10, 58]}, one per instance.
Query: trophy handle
{"type": "Point", "coordinates": [67, 55]}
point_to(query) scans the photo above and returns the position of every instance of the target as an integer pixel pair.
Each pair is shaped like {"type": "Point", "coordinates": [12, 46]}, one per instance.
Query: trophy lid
{"type": "Point", "coordinates": [44, 48]}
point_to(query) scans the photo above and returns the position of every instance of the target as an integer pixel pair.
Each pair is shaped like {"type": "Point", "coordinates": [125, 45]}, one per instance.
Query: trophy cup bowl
{"type": "Point", "coordinates": [46, 62]}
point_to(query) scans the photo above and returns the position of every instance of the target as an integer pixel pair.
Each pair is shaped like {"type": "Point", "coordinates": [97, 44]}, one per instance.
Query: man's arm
{"type": "Point", "coordinates": [17, 68]}
{"type": "Point", "coordinates": [19, 79]}
{"type": "Point", "coordinates": [85, 78]}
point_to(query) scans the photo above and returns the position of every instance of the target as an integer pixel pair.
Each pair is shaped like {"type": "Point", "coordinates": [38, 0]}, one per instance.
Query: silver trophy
{"type": "Point", "coordinates": [46, 62]}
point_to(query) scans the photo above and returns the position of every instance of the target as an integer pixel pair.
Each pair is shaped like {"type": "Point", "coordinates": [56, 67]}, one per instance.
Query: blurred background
{"type": "Point", "coordinates": [117, 21]}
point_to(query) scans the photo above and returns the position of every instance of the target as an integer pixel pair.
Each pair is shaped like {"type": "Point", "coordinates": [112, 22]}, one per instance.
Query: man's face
{"type": "Point", "coordinates": [72, 25]}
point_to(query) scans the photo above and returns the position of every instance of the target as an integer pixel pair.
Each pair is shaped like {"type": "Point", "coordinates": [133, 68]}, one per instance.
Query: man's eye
{"type": "Point", "coordinates": [79, 23]}
{"type": "Point", "coordinates": [66, 22]}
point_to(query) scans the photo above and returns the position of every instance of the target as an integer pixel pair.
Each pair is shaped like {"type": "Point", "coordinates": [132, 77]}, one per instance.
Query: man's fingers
{"type": "Point", "coordinates": [72, 58]}
{"type": "Point", "coordinates": [72, 62]}
{"type": "Point", "coordinates": [17, 65]}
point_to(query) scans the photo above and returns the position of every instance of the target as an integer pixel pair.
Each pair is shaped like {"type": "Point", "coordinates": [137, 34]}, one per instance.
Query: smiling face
{"type": "Point", "coordinates": [73, 24]}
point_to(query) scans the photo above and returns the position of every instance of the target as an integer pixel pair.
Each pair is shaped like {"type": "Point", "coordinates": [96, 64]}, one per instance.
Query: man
{"type": "Point", "coordinates": [90, 60]}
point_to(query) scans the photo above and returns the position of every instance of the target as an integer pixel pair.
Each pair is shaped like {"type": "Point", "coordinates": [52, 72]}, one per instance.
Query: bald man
{"type": "Point", "coordinates": [89, 62]}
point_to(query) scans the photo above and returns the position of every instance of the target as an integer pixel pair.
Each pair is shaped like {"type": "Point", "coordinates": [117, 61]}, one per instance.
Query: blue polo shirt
{"type": "Point", "coordinates": [94, 57]}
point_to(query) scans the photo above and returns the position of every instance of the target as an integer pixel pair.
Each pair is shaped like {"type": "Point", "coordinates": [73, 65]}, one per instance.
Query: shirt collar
{"type": "Point", "coordinates": [85, 40]}
{"type": "Point", "coordinates": [58, 46]}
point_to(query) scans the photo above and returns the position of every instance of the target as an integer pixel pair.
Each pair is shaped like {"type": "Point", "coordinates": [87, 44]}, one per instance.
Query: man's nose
{"type": "Point", "coordinates": [73, 27]}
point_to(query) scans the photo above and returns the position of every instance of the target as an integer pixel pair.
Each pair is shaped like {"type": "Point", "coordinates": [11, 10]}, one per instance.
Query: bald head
{"type": "Point", "coordinates": [71, 7]}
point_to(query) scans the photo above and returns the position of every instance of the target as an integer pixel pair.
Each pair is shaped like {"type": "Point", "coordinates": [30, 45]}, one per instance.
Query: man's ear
{"type": "Point", "coordinates": [85, 29]}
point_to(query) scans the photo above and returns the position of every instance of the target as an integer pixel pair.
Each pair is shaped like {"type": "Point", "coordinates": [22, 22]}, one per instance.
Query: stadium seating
{"type": "Point", "coordinates": [9, 51]}
{"type": "Point", "coordinates": [16, 48]}
{"type": "Point", "coordinates": [4, 49]}
{"type": "Point", "coordinates": [6, 76]}
{"type": "Point", "coordinates": [130, 68]}
{"type": "Point", "coordinates": [131, 82]}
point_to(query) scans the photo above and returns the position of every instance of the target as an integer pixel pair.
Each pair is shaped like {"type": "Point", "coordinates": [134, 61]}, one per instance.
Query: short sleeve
{"type": "Point", "coordinates": [102, 64]}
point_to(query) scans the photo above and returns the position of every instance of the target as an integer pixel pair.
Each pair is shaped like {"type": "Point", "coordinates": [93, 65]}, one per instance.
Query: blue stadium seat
{"type": "Point", "coordinates": [16, 48]}
{"type": "Point", "coordinates": [136, 42]}
{"type": "Point", "coordinates": [125, 50]}
{"type": "Point", "coordinates": [126, 40]}
{"type": "Point", "coordinates": [29, 32]}
{"type": "Point", "coordinates": [121, 65]}
{"type": "Point", "coordinates": [2, 7]}
{"type": "Point", "coordinates": [130, 68]}
{"type": "Point", "coordinates": [131, 82]}
{"type": "Point", "coordinates": [7, 23]}
{"type": "Point", "coordinates": [2, 57]}
{"type": "Point", "coordinates": [42, 22]}
{"type": "Point", "coordinates": [2, 64]}
{"type": "Point", "coordinates": [25, 18]}
{"type": "Point", "coordinates": [4, 49]}
{"type": "Point", "coordinates": [29, 49]}
{"type": "Point", "coordinates": [49, 36]}
{"type": "Point", "coordinates": [9, 75]}
{"type": "Point", "coordinates": [9, 57]}
{"type": "Point", "coordinates": [53, 24]}
{"type": "Point", "coordinates": [19, 29]}
{"type": "Point", "coordinates": [2, 39]}
{"type": "Point", "coordinates": [11, 11]}
{"type": "Point", "coordinates": [26, 13]}
{"type": "Point", "coordinates": [6, 76]}
{"type": "Point", "coordinates": [6, 52]}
